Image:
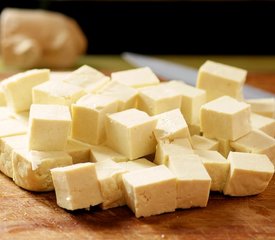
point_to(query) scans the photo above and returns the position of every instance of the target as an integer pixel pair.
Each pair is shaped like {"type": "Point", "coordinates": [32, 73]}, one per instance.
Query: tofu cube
{"type": "Point", "coordinates": [5, 113]}
{"type": "Point", "coordinates": [57, 92]}
{"type": "Point", "coordinates": [158, 99]}
{"type": "Point", "coordinates": [150, 191]}
{"type": "Point", "coordinates": [109, 175]}
{"type": "Point", "coordinates": [171, 125]}
{"type": "Point", "coordinates": [178, 147]}
{"type": "Point", "coordinates": [79, 151]}
{"type": "Point", "coordinates": [76, 186]}
{"type": "Point", "coordinates": [191, 100]}
{"type": "Point", "coordinates": [7, 145]}
{"type": "Point", "coordinates": [102, 153]}
{"type": "Point", "coordinates": [11, 127]}
{"type": "Point", "coordinates": [87, 78]}
{"type": "Point", "coordinates": [18, 88]}
{"type": "Point", "coordinates": [193, 181]}
{"type": "Point", "coordinates": [136, 78]}
{"type": "Point", "coordinates": [249, 174]}
{"type": "Point", "coordinates": [263, 106]}
{"type": "Point", "coordinates": [256, 142]}
{"type": "Point", "coordinates": [217, 167]}
{"type": "Point", "coordinates": [130, 133]}
{"type": "Point", "coordinates": [203, 143]}
{"type": "Point", "coordinates": [126, 96]}
{"type": "Point", "coordinates": [265, 124]}
{"type": "Point", "coordinates": [219, 79]}
{"type": "Point", "coordinates": [89, 114]}
{"type": "Point", "coordinates": [225, 118]}
{"type": "Point", "coordinates": [49, 127]}
{"type": "Point", "coordinates": [31, 169]}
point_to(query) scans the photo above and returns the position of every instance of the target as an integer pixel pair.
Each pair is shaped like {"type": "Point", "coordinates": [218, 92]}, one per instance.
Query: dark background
{"type": "Point", "coordinates": [169, 27]}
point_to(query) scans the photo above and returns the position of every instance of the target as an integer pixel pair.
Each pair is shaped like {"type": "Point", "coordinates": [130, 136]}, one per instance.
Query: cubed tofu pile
{"type": "Point", "coordinates": [132, 140]}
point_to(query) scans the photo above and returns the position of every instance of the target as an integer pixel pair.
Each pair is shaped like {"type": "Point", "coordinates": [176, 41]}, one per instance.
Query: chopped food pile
{"type": "Point", "coordinates": [129, 139]}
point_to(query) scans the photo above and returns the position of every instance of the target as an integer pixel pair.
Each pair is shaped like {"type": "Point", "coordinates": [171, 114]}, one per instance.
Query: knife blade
{"type": "Point", "coordinates": [174, 71]}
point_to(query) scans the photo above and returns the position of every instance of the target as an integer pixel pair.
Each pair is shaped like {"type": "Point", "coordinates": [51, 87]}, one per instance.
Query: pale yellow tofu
{"type": "Point", "coordinates": [203, 143]}
{"type": "Point", "coordinates": [224, 147]}
{"type": "Point", "coordinates": [192, 100]}
{"type": "Point", "coordinates": [193, 181]}
{"type": "Point", "coordinates": [49, 127]}
{"type": "Point", "coordinates": [217, 167]}
{"type": "Point", "coordinates": [102, 153]}
{"type": "Point", "coordinates": [89, 114]}
{"type": "Point", "coordinates": [195, 129]}
{"type": "Point", "coordinates": [130, 133]}
{"type": "Point", "coordinates": [87, 78]}
{"type": "Point", "coordinates": [139, 77]}
{"type": "Point", "coordinates": [76, 186]}
{"type": "Point", "coordinates": [31, 169]}
{"type": "Point", "coordinates": [18, 88]}
{"type": "Point", "coordinates": [263, 106]}
{"type": "Point", "coordinates": [218, 79]}
{"type": "Point", "coordinates": [178, 147]}
{"type": "Point", "coordinates": [158, 99]}
{"type": "Point", "coordinates": [23, 117]}
{"type": "Point", "coordinates": [265, 124]}
{"type": "Point", "coordinates": [79, 151]}
{"type": "Point", "coordinates": [171, 125]}
{"type": "Point", "coordinates": [150, 191]}
{"type": "Point", "coordinates": [137, 164]}
{"type": "Point", "coordinates": [7, 145]}
{"type": "Point", "coordinates": [5, 113]}
{"type": "Point", "coordinates": [126, 96]}
{"type": "Point", "coordinates": [2, 96]}
{"type": "Point", "coordinates": [256, 142]}
{"type": "Point", "coordinates": [56, 92]}
{"type": "Point", "coordinates": [11, 127]}
{"type": "Point", "coordinates": [249, 174]}
{"type": "Point", "coordinates": [109, 175]}
{"type": "Point", "coordinates": [225, 118]}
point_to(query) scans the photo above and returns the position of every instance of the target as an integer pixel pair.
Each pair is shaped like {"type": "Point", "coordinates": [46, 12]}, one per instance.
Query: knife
{"type": "Point", "coordinates": [174, 71]}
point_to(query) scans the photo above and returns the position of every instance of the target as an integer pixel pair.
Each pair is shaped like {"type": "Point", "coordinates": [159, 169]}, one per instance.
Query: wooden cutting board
{"type": "Point", "coordinates": [27, 215]}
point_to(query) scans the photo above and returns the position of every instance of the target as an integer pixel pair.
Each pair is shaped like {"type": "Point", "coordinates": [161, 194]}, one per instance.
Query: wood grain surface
{"type": "Point", "coordinates": [27, 215]}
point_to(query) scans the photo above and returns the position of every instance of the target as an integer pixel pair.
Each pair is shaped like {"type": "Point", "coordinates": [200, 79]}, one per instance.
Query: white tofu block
{"type": "Point", "coordinates": [135, 165]}
{"type": "Point", "coordinates": [217, 167]}
{"type": "Point", "coordinates": [7, 145]}
{"type": "Point", "coordinates": [256, 142]}
{"type": "Point", "coordinates": [18, 88]}
{"type": "Point", "coordinates": [87, 78]}
{"type": "Point", "coordinates": [265, 124]}
{"type": "Point", "coordinates": [11, 127]}
{"type": "Point", "coordinates": [193, 181]}
{"type": "Point", "coordinates": [219, 79]}
{"type": "Point", "coordinates": [5, 113]}
{"type": "Point", "coordinates": [109, 176]}
{"type": "Point", "coordinates": [31, 170]}
{"type": "Point", "coordinates": [136, 78]}
{"type": "Point", "coordinates": [49, 127]}
{"type": "Point", "coordinates": [224, 147]}
{"type": "Point", "coordinates": [102, 153]}
{"type": "Point", "coordinates": [76, 186]}
{"type": "Point", "coordinates": [191, 100]}
{"type": "Point", "coordinates": [225, 118]}
{"type": "Point", "coordinates": [56, 92]}
{"type": "Point", "coordinates": [164, 150]}
{"type": "Point", "coordinates": [130, 133]}
{"type": "Point", "coordinates": [263, 106]}
{"type": "Point", "coordinates": [249, 174]}
{"type": "Point", "coordinates": [80, 152]}
{"type": "Point", "coordinates": [150, 191]}
{"type": "Point", "coordinates": [158, 99]}
{"type": "Point", "coordinates": [126, 96]}
{"type": "Point", "coordinates": [171, 125]}
{"type": "Point", "coordinates": [203, 143]}
{"type": "Point", "coordinates": [2, 97]}
{"type": "Point", "coordinates": [89, 114]}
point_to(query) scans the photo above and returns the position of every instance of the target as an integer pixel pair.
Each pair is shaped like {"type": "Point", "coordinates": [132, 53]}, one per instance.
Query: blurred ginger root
{"type": "Point", "coordinates": [38, 38]}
